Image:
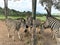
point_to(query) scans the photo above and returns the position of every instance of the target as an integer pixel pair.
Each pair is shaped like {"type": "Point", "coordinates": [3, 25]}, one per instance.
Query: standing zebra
{"type": "Point", "coordinates": [54, 24]}
{"type": "Point", "coordinates": [29, 23]}
{"type": "Point", "coordinates": [13, 25]}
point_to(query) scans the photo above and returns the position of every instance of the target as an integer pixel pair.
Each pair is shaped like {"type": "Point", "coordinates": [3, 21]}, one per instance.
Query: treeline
{"type": "Point", "coordinates": [12, 12]}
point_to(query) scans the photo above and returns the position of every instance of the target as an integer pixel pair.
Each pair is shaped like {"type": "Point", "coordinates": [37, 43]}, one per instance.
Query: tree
{"type": "Point", "coordinates": [6, 7]}
{"type": "Point", "coordinates": [47, 3]}
{"type": "Point", "coordinates": [57, 4]}
{"type": "Point", "coordinates": [34, 8]}
{"type": "Point", "coordinates": [28, 13]}
{"type": "Point", "coordinates": [34, 18]}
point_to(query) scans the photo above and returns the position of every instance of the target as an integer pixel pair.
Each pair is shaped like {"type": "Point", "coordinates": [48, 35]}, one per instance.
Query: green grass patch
{"type": "Point", "coordinates": [12, 17]}
{"type": "Point", "coordinates": [42, 18]}
{"type": "Point", "coordinates": [2, 17]}
{"type": "Point", "coordinates": [58, 17]}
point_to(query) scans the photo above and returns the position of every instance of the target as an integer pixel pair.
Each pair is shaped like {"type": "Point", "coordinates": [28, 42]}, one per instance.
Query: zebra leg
{"type": "Point", "coordinates": [53, 36]}
{"type": "Point", "coordinates": [9, 33]}
{"type": "Point", "coordinates": [19, 35]}
{"type": "Point", "coordinates": [58, 37]}
{"type": "Point", "coordinates": [58, 40]}
{"type": "Point", "coordinates": [41, 29]}
{"type": "Point", "coordinates": [13, 37]}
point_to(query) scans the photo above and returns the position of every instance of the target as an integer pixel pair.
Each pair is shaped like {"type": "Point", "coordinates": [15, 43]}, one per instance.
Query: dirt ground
{"type": "Point", "coordinates": [42, 39]}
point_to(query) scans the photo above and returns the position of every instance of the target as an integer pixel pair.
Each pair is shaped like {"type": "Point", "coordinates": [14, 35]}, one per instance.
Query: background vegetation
{"type": "Point", "coordinates": [17, 14]}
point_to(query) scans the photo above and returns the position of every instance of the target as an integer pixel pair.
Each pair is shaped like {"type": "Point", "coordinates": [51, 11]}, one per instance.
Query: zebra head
{"type": "Point", "coordinates": [29, 21]}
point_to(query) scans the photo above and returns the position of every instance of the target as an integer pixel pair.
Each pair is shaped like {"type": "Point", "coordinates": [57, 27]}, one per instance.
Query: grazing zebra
{"type": "Point", "coordinates": [13, 25]}
{"type": "Point", "coordinates": [54, 24]}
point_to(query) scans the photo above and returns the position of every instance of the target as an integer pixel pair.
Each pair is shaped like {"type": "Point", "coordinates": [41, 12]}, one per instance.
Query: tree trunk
{"type": "Point", "coordinates": [6, 8]}
{"type": "Point", "coordinates": [33, 39]}
{"type": "Point", "coordinates": [34, 8]}
{"type": "Point", "coordinates": [49, 6]}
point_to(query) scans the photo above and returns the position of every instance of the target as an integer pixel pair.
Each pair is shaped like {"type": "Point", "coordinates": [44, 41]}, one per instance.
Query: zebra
{"type": "Point", "coordinates": [15, 25]}
{"type": "Point", "coordinates": [29, 23]}
{"type": "Point", "coordinates": [30, 19]}
{"type": "Point", "coordinates": [54, 24]}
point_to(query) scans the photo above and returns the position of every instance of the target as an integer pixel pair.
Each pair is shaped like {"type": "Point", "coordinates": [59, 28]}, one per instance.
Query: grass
{"type": "Point", "coordinates": [13, 17]}
{"type": "Point", "coordinates": [2, 17]}
{"type": "Point", "coordinates": [58, 17]}
{"type": "Point", "coordinates": [42, 18]}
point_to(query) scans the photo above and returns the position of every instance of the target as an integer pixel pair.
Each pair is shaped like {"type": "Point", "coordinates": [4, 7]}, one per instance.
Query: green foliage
{"type": "Point", "coordinates": [17, 14]}
{"type": "Point", "coordinates": [1, 11]}
{"type": "Point", "coordinates": [12, 12]}
{"type": "Point", "coordinates": [42, 18]}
